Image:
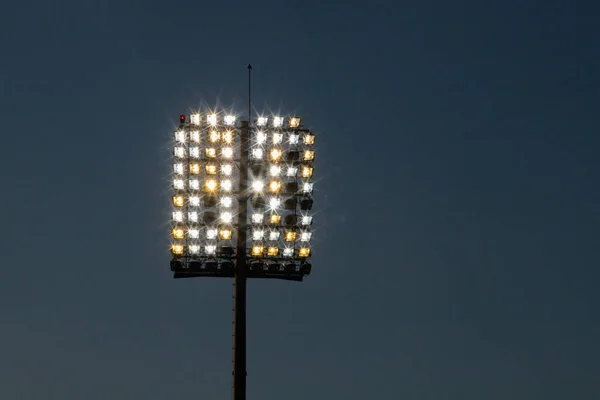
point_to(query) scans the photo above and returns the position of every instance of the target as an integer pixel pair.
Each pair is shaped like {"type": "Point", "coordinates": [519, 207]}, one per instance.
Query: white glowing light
{"type": "Point", "coordinates": [275, 170]}
{"type": "Point", "coordinates": [257, 153]}
{"type": "Point", "coordinates": [226, 185]}
{"type": "Point", "coordinates": [193, 216]}
{"type": "Point", "coordinates": [258, 186]}
{"type": "Point", "coordinates": [305, 236]}
{"type": "Point", "coordinates": [227, 169]}
{"type": "Point", "coordinates": [229, 120]}
{"type": "Point", "coordinates": [227, 152]}
{"type": "Point", "coordinates": [261, 137]}
{"type": "Point", "coordinates": [257, 235]}
{"type": "Point", "coordinates": [262, 121]}
{"type": "Point", "coordinates": [178, 169]}
{"type": "Point", "coordinates": [226, 217]}
{"type": "Point", "coordinates": [210, 249]}
{"type": "Point", "coordinates": [194, 233]}
{"type": "Point", "coordinates": [257, 218]}
{"type": "Point", "coordinates": [195, 119]}
{"type": "Point", "coordinates": [179, 152]}
{"type": "Point", "coordinates": [277, 122]}
{"type": "Point", "coordinates": [277, 138]}
{"type": "Point", "coordinates": [178, 216]}
{"type": "Point", "coordinates": [195, 136]}
{"type": "Point", "coordinates": [178, 184]}
{"type": "Point", "coordinates": [195, 152]}
{"type": "Point", "coordinates": [194, 184]}
{"type": "Point", "coordinates": [211, 119]}
{"type": "Point", "coordinates": [294, 139]}
{"type": "Point", "coordinates": [291, 171]}
{"type": "Point", "coordinates": [194, 249]}
{"type": "Point", "coordinates": [306, 220]}
{"type": "Point", "coordinates": [226, 201]}
{"type": "Point", "coordinates": [211, 233]}
{"type": "Point", "coordinates": [287, 252]}
{"type": "Point", "coordinates": [274, 202]}
{"type": "Point", "coordinates": [180, 136]}
{"type": "Point", "coordinates": [274, 235]}
{"type": "Point", "coordinates": [195, 201]}
{"type": "Point", "coordinates": [307, 187]}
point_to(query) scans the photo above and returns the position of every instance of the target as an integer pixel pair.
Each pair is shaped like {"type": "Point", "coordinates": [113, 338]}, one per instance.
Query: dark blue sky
{"type": "Point", "coordinates": [456, 254]}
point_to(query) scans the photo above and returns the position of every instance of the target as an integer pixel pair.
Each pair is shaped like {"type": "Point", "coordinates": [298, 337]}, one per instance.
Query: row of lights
{"type": "Point", "coordinates": [229, 120]}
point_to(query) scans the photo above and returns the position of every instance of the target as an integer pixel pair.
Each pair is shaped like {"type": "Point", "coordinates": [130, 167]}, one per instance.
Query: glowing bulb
{"type": "Point", "coordinates": [226, 169]}
{"type": "Point", "coordinates": [272, 252]}
{"type": "Point", "coordinates": [275, 170]}
{"type": "Point", "coordinates": [180, 136]}
{"type": "Point", "coordinates": [195, 136]}
{"type": "Point", "coordinates": [277, 138]}
{"type": "Point", "coordinates": [309, 138]}
{"type": "Point", "coordinates": [211, 169]}
{"type": "Point", "coordinates": [274, 235]}
{"type": "Point", "coordinates": [178, 233]}
{"type": "Point", "coordinates": [291, 171]}
{"type": "Point", "coordinates": [307, 171]}
{"type": "Point", "coordinates": [227, 152]}
{"type": "Point", "coordinates": [294, 139]}
{"type": "Point", "coordinates": [274, 202]}
{"type": "Point", "coordinates": [305, 236]}
{"type": "Point", "coordinates": [194, 184]}
{"type": "Point", "coordinates": [211, 234]}
{"type": "Point", "coordinates": [229, 120]}
{"type": "Point", "coordinates": [290, 236]}
{"type": "Point", "coordinates": [257, 153]}
{"type": "Point", "coordinates": [225, 234]}
{"type": "Point", "coordinates": [211, 185]}
{"type": "Point", "coordinates": [194, 249]}
{"type": "Point", "coordinates": [210, 249]}
{"type": "Point", "coordinates": [276, 154]}
{"type": "Point", "coordinates": [211, 119]}
{"type": "Point", "coordinates": [228, 137]}
{"type": "Point", "coordinates": [294, 122]}
{"type": "Point", "coordinates": [178, 201]}
{"type": "Point", "coordinates": [226, 201]}
{"type": "Point", "coordinates": [288, 252]}
{"type": "Point", "coordinates": [178, 216]}
{"type": "Point", "coordinates": [257, 251]}
{"type": "Point", "coordinates": [194, 233]}
{"type": "Point", "coordinates": [275, 186]}
{"type": "Point", "coordinates": [178, 184]}
{"type": "Point", "coordinates": [262, 121]}
{"type": "Point", "coordinates": [307, 187]}
{"type": "Point", "coordinates": [275, 219]}
{"type": "Point", "coordinates": [226, 217]}
{"type": "Point", "coordinates": [177, 249]}
{"type": "Point", "coordinates": [304, 252]}
{"type": "Point", "coordinates": [257, 218]}
{"type": "Point", "coordinates": [261, 137]}
{"type": "Point", "coordinates": [195, 119]}
{"type": "Point", "coordinates": [257, 235]}
{"type": "Point", "coordinates": [277, 121]}
{"type": "Point", "coordinates": [179, 152]}
{"type": "Point", "coordinates": [211, 152]}
{"type": "Point", "coordinates": [193, 216]}
{"type": "Point", "coordinates": [195, 201]}
{"type": "Point", "coordinates": [214, 136]}
{"type": "Point", "coordinates": [194, 169]}
{"type": "Point", "coordinates": [309, 155]}
{"type": "Point", "coordinates": [178, 169]}
{"type": "Point", "coordinates": [226, 185]}
{"type": "Point", "coordinates": [195, 152]}
{"type": "Point", "coordinates": [258, 186]}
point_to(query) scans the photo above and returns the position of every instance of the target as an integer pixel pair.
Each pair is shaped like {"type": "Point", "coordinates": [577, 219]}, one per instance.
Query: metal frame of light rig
{"type": "Point", "coordinates": [272, 164]}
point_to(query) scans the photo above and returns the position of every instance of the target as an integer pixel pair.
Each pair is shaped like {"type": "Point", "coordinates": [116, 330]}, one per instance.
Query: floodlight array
{"type": "Point", "coordinates": [205, 184]}
{"type": "Point", "coordinates": [280, 188]}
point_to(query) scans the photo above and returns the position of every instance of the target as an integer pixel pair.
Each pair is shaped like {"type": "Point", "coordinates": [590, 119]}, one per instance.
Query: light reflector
{"type": "Point", "coordinates": [211, 119]}
{"type": "Point", "coordinates": [262, 121]}
{"type": "Point", "coordinates": [277, 122]}
{"type": "Point", "coordinates": [229, 120]}
{"type": "Point", "coordinates": [294, 122]}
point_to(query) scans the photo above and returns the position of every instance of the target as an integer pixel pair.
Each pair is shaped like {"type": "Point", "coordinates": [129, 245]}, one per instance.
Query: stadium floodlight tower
{"type": "Point", "coordinates": [247, 184]}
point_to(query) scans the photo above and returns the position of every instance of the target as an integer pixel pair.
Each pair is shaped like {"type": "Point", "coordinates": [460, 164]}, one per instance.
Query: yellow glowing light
{"type": "Point", "coordinates": [275, 218]}
{"type": "Point", "coordinates": [275, 154]}
{"type": "Point", "coordinates": [307, 171]}
{"type": "Point", "coordinates": [211, 152]}
{"type": "Point", "coordinates": [211, 169]}
{"type": "Point", "coordinates": [210, 185]}
{"type": "Point", "coordinates": [178, 233]}
{"type": "Point", "coordinates": [304, 252]}
{"type": "Point", "coordinates": [274, 186]}
{"type": "Point", "coordinates": [272, 251]}
{"type": "Point", "coordinates": [309, 155]}
{"type": "Point", "coordinates": [309, 138]}
{"type": "Point", "coordinates": [194, 169]}
{"type": "Point", "coordinates": [177, 249]}
{"type": "Point", "coordinates": [290, 236]}
{"type": "Point", "coordinates": [294, 122]}
{"type": "Point", "coordinates": [214, 136]}
{"type": "Point", "coordinates": [178, 201]}
{"type": "Point", "coordinates": [258, 251]}
{"type": "Point", "coordinates": [228, 137]}
{"type": "Point", "coordinates": [225, 234]}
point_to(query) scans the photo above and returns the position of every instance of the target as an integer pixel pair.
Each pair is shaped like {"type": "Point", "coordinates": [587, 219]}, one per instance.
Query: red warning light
{"type": "Point", "coordinates": [182, 119]}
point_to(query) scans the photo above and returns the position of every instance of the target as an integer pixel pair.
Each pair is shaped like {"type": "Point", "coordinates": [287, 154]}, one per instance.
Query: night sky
{"type": "Point", "coordinates": [456, 248]}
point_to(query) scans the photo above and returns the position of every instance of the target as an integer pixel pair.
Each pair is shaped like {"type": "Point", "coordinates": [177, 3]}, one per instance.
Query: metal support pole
{"type": "Point", "coordinates": [239, 322]}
